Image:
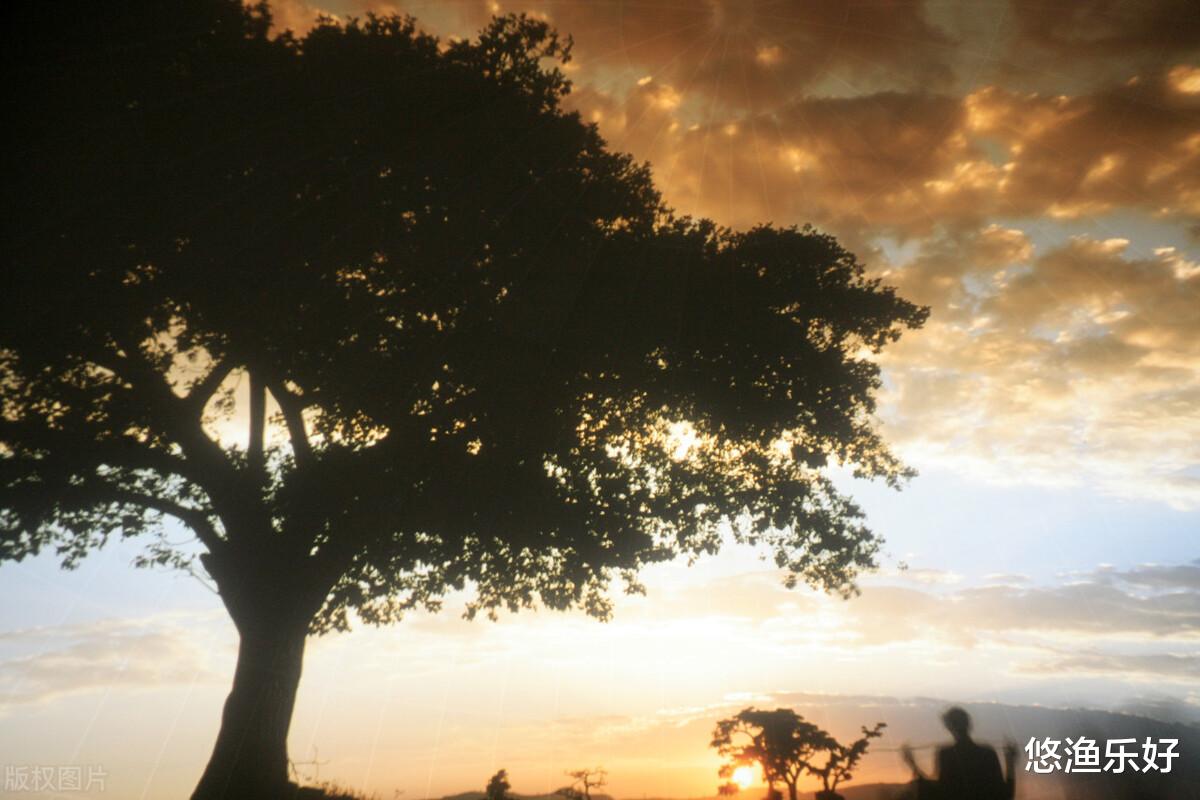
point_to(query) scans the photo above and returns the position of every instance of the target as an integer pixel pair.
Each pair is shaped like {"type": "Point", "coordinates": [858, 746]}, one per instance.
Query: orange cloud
{"type": "Point", "coordinates": [1134, 145]}
{"type": "Point", "coordinates": [748, 53]}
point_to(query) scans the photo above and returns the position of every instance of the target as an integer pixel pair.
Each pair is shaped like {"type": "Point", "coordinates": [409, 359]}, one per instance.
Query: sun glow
{"type": "Point", "coordinates": [743, 777]}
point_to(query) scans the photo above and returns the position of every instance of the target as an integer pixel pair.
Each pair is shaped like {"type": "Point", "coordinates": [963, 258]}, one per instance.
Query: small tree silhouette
{"type": "Point", "coordinates": [842, 761]}
{"type": "Point", "coordinates": [582, 783]}
{"type": "Point", "coordinates": [780, 741]}
{"type": "Point", "coordinates": [498, 786]}
{"type": "Point", "coordinates": [784, 745]}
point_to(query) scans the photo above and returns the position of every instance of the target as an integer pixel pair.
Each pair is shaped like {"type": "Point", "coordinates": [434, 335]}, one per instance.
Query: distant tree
{"type": "Point", "coordinates": [842, 761]}
{"type": "Point", "coordinates": [781, 742]}
{"type": "Point", "coordinates": [582, 783]}
{"type": "Point", "coordinates": [375, 319]}
{"type": "Point", "coordinates": [498, 786]}
{"type": "Point", "coordinates": [787, 747]}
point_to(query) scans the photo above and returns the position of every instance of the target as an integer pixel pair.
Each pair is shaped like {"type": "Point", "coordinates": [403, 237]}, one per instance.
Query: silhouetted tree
{"type": "Point", "coordinates": [498, 786]}
{"type": "Point", "coordinates": [842, 760]}
{"type": "Point", "coordinates": [582, 783]}
{"type": "Point", "coordinates": [375, 319]}
{"type": "Point", "coordinates": [786, 747]}
{"type": "Point", "coordinates": [781, 742]}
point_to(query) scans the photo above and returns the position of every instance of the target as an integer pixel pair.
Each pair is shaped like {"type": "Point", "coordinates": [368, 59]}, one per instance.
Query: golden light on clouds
{"type": "Point", "coordinates": [769, 55]}
{"type": "Point", "coordinates": [1186, 79]}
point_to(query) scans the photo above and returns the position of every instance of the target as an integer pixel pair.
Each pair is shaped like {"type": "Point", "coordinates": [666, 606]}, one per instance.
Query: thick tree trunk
{"type": "Point", "coordinates": [250, 757]}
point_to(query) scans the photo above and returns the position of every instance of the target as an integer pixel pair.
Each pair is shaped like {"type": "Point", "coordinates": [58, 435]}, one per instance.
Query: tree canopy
{"type": "Point", "coordinates": [484, 332]}
{"type": "Point", "coordinates": [787, 747]}
{"type": "Point", "coordinates": [376, 317]}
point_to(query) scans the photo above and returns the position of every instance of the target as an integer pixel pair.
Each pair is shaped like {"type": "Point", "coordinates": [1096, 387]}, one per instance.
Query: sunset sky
{"type": "Point", "coordinates": [1031, 171]}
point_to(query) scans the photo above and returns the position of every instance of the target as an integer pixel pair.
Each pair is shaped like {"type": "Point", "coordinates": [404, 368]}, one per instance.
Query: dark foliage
{"type": "Point", "coordinates": [788, 748]}
{"type": "Point", "coordinates": [498, 786]}
{"type": "Point", "coordinates": [478, 326]}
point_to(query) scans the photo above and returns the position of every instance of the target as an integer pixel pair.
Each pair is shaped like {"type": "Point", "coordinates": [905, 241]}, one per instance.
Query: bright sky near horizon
{"type": "Point", "coordinates": [1031, 171]}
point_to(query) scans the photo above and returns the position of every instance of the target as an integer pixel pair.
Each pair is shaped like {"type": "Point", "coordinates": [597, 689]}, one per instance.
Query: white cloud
{"type": "Point", "coordinates": [41, 664]}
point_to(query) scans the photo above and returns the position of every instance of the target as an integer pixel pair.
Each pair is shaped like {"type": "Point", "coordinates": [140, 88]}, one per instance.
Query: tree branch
{"type": "Point", "coordinates": [200, 392]}
{"type": "Point", "coordinates": [194, 518]}
{"type": "Point", "coordinates": [292, 408]}
{"type": "Point", "coordinates": [82, 452]}
{"type": "Point", "coordinates": [258, 413]}
{"type": "Point", "coordinates": [212, 468]}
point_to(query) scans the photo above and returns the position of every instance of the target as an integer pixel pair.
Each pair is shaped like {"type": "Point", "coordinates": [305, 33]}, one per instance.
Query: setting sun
{"type": "Point", "coordinates": [743, 777]}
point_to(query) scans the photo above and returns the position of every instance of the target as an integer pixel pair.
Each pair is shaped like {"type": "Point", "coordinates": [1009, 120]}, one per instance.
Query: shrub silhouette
{"type": "Point", "coordinates": [498, 786]}
{"type": "Point", "coordinates": [582, 783]}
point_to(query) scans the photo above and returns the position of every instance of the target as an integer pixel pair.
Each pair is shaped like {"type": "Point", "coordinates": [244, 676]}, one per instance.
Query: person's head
{"type": "Point", "coordinates": [958, 722]}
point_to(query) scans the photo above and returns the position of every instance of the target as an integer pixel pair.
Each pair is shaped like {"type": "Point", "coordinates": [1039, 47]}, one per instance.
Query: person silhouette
{"type": "Point", "coordinates": [966, 770]}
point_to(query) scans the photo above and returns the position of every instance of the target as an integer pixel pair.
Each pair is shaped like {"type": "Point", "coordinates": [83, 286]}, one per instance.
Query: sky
{"type": "Point", "coordinates": [1029, 170]}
